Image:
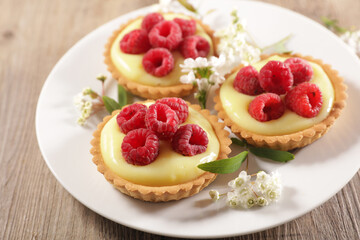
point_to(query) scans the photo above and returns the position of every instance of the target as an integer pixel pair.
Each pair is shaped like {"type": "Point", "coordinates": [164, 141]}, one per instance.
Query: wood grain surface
{"type": "Point", "coordinates": [33, 205]}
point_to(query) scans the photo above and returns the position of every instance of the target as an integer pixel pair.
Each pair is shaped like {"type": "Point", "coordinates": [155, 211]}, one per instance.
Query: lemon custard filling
{"type": "Point", "coordinates": [130, 65]}
{"type": "Point", "coordinates": [236, 105]}
{"type": "Point", "coordinates": [169, 168]}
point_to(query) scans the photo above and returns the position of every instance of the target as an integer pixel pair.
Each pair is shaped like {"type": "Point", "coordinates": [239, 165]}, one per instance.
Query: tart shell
{"type": "Point", "coordinates": [298, 139]}
{"type": "Point", "coordinates": [163, 193]}
{"type": "Point", "coordinates": [147, 91]}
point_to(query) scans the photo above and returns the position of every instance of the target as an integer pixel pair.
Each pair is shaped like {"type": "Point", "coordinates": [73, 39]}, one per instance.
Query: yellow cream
{"type": "Point", "coordinates": [169, 168]}
{"type": "Point", "coordinates": [130, 65]}
{"type": "Point", "coordinates": [236, 105]}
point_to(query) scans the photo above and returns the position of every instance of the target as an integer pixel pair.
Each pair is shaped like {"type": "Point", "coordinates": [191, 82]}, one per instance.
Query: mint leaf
{"type": "Point", "coordinates": [276, 155]}
{"type": "Point", "coordinates": [122, 96]}
{"type": "Point", "coordinates": [333, 24]}
{"type": "Point", "coordinates": [188, 6]}
{"type": "Point", "coordinates": [240, 142]}
{"type": "Point", "coordinates": [110, 104]}
{"type": "Point", "coordinates": [228, 165]}
{"type": "Point", "coordinates": [279, 47]}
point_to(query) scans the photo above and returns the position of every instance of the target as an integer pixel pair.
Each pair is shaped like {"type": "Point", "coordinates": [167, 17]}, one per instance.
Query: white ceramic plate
{"type": "Point", "coordinates": [317, 173]}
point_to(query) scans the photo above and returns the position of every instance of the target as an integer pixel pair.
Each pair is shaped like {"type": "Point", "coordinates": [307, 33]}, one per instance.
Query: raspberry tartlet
{"type": "Point", "coordinates": [157, 159]}
{"type": "Point", "coordinates": [282, 102]}
{"type": "Point", "coordinates": [144, 54]}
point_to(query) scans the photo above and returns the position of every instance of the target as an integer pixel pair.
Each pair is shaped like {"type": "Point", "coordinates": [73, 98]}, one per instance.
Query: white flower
{"type": "Point", "coordinates": [83, 102]}
{"type": "Point", "coordinates": [250, 202]}
{"type": "Point", "coordinates": [215, 195]}
{"type": "Point", "coordinates": [232, 199]}
{"type": "Point", "coordinates": [235, 43]}
{"type": "Point", "coordinates": [261, 201]}
{"type": "Point", "coordinates": [189, 78]}
{"type": "Point", "coordinates": [246, 193]}
{"type": "Point", "coordinates": [353, 40]}
{"type": "Point", "coordinates": [202, 84]}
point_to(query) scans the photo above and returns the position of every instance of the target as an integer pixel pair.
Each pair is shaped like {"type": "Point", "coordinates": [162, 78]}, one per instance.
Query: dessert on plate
{"type": "Point", "coordinates": [144, 54]}
{"type": "Point", "coordinates": [150, 150]}
{"type": "Point", "coordinates": [281, 102]}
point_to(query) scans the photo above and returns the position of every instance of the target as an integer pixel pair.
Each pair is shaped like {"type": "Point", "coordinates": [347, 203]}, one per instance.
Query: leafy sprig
{"type": "Point", "coordinates": [232, 164]}
{"type": "Point", "coordinates": [333, 25]}
{"type": "Point", "coordinates": [223, 166]}
{"type": "Point", "coordinates": [90, 102]}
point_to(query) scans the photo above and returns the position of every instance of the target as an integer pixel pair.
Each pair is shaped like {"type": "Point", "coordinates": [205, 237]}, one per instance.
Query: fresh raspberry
{"type": "Point", "coordinates": [158, 62]}
{"type": "Point", "coordinates": [276, 77]}
{"type": "Point", "coordinates": [166, 34]}
{"type": "Point", "coordinates": [188, 27]}
{"type": "Point", "coordinates": [190, 140]}
{"type": "Point", "coordinates": [131, 117]}
{"type": "Point", "coordinates": [140, 147]}
{"type": "Point", "coordinates": [161, 119]}
{"type": "Point", "coordinates": [266, 107]}
{"type": "Point", "coordinates": [178, 105]}
{"type": "Point", "coordinates": [300, 69]}
{"type": "Point", "coordinates": [194, 46]}
{"type": "Point", "coordinates": [151, 20]}
{"type": "Point", "coordinates": [135, 42]}
{"type": "Point", "coordinates": [247, 81]}
{"type": "Point", "coordinates": [305, 99]}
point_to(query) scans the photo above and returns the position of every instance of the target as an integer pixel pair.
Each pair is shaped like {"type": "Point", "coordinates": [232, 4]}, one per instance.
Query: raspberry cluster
{"type": "Point", "coordinates": [158, 37]}
{"type": "Point", "coordinates": [290, 78]}
{"type": "Point", "coordinates": [145, 127]}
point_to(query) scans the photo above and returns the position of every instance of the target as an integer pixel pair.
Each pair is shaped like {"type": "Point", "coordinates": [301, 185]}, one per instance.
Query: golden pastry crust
{"type": "Point", "coordinates": [301, 138]}
{"type": "Point", "coordinates": [146, 91]}
{"type": "Point", "coordinates": [163, 193]}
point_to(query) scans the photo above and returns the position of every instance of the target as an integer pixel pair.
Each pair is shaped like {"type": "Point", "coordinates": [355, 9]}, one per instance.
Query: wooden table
{"type": "Point", "coordinates": [33, 205]}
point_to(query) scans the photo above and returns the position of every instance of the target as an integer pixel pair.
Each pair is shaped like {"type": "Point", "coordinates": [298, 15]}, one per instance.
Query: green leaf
{"type": "Point", "coordinates": [122, 96]}
{"type": "Point", "coordinates": [188, 6]}
{"type": "Point", "coordinates": [228, 165]}
{"type": "Point", "coordinates": [240, 142]}
{"type": "Point", "coordinates": [276, 155]}
{"type": "Point", "coordinates": [279, 47]}
{"type": "Point", "coordinates": [110, 104]}
{"type": "Point", "coordinates": [333, 24]}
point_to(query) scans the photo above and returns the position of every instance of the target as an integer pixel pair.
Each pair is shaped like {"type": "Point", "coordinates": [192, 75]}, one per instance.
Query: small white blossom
{"type": "Point", "coordinates": [204, 73]}
{"type": "Point", "coordinates": [84, 103]}
{"type": "Point", "coordinates": [235, 44]}
{"type": "Point", "coordinates": [245, 193]}
{"type": "Point", "coordinates": [214, 195]}
{"type": "Point", "coordinates": [232, 199]}
{"type": "Point", "coordinates": [352, 39]}
{"type": "Point", "coordinates": [261, 201]}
